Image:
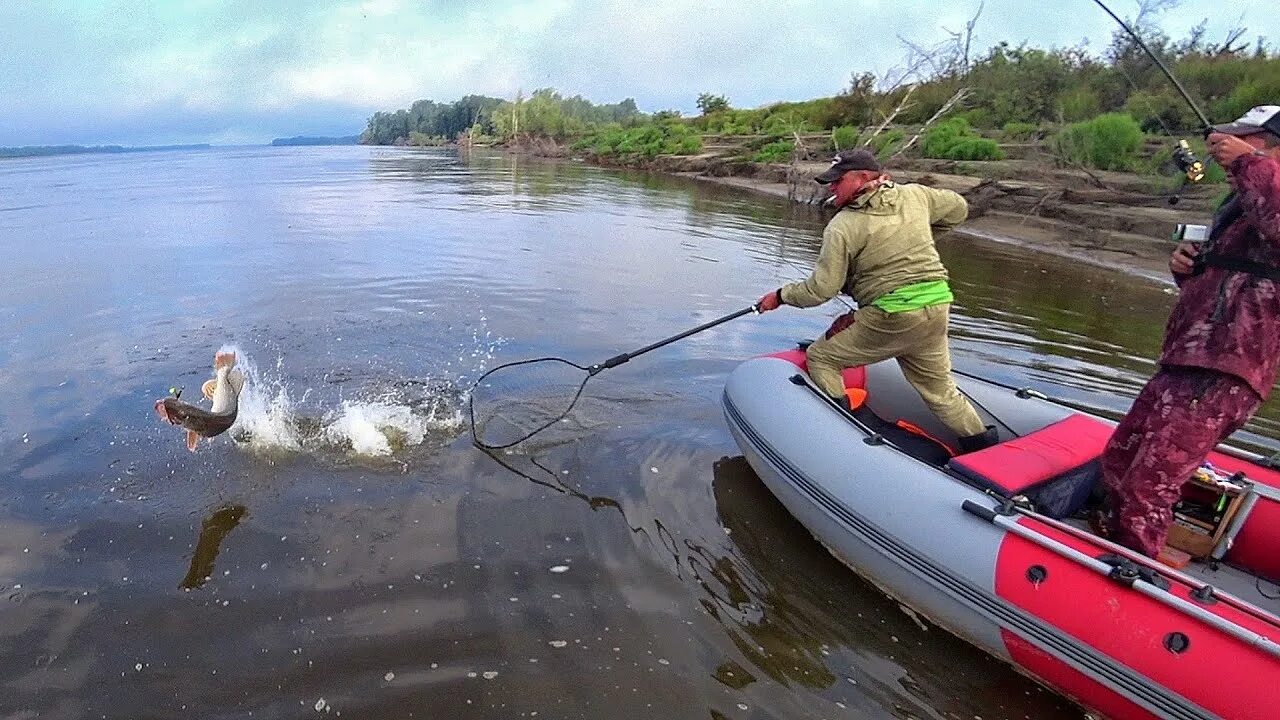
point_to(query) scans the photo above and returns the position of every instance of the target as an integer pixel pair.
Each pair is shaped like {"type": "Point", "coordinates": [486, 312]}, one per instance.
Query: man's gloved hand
{"type": "Point", "coordinates": [770, 301]}
{"type": "Point", "coordinates": [841, 323]}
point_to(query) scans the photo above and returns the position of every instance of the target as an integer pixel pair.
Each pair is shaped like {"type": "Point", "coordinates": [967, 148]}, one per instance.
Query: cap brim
{"type": "Point", "coordinates": [1238, 129]}
{"type": "Point", "coordinates": [831, 175]}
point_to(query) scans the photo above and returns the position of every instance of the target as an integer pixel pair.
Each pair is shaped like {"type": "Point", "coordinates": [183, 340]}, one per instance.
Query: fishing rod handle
{"type": "Point", "coordinates": [617, 360]}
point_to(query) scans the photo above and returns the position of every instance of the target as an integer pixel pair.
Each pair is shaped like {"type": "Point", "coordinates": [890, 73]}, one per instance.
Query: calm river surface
{"type": "Point", "coordinates": [346, 551]}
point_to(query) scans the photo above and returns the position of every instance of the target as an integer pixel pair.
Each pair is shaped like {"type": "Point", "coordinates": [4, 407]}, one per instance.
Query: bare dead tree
{"type": "Point", "coordinates": [1231, 44]}
{"type": "Point", "coordinates": [909, 73]}
{"type": "Point", "coordinates": [946, 59]}
{"type": "Point", "coordinates": [947, 107]}
{"type": "Point", "coordinates": [963, 41]}
{"type": "Point", "coordinates": [919, 56]}
{"type": "Point", "coordinates": [1149, 9]}
{"type": "Point", "coordinates": [1195, 38]}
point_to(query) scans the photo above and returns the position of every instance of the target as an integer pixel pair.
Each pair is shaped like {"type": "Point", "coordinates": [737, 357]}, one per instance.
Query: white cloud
{"type": "Point", "coordinates": [205, 69]}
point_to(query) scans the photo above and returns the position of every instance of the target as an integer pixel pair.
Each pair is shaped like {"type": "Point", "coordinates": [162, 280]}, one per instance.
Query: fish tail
{"type": "Point", "coordinates": [224, 360]}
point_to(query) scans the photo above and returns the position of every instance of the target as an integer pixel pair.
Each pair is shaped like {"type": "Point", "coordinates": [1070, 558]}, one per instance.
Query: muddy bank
{"type": "Point", "coordinates": [1119, 221]}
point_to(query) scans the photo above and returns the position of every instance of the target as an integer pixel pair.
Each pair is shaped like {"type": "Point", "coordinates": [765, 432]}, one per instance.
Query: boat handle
{"type": "Point", "coordinates": [1163, 597]}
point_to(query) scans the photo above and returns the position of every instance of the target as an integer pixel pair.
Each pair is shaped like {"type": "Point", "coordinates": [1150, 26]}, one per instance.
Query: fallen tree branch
{"type": "Point", "coordinates": [946, 108]}
{"type": "Point", "coordinates": [888, 119]}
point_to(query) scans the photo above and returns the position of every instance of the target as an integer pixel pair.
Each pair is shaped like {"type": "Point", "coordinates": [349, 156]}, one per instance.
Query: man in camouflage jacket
{"type": "Point", "coordinates": [1221, 345]}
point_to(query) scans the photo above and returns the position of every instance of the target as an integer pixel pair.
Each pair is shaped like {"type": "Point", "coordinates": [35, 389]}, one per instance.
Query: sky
{"type": "Point", "coordinates": [135, 72]}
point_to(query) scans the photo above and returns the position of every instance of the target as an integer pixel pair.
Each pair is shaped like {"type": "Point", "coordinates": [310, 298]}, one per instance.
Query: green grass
{"type": "Point", "coordinates": [887, 142]}
{"type": "Point", "coordinates": [954, 139]}
{"type": "Point", "coordinates": [775, 152]}
{"type": "Point", "coordinates": [1108, 142]}
{"type": "Point", "coordinates": [844, 137]}
{"type": "Point", "coordinates": [1020, 130]}
{"type": "Point", "coordinates": [647, 141]}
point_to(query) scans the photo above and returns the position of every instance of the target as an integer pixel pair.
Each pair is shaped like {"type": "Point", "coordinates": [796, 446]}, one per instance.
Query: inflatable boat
{"type": "Point", "coordinates": [992, 545]}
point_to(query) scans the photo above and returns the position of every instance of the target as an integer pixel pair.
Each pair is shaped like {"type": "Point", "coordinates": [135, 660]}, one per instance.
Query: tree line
{"type": "Point", "coordinates": [1007, 86]}
{"type": "Point", "coordinates": [545, 113]}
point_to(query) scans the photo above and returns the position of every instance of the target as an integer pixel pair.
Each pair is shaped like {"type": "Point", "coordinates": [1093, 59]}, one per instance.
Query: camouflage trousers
{"type": "Point", "coordinates": [1179, 416]}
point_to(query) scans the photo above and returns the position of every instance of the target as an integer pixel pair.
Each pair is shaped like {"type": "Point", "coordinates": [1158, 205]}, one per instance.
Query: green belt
{"type": "Point", "coordinates": [915, 296]}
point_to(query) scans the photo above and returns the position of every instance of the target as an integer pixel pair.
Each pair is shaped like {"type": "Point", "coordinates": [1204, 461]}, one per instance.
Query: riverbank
{"type": "Point", "coordinates": [1120, 221]}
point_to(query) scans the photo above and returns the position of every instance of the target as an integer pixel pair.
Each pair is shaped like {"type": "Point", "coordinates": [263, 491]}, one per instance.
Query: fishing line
{"type": "Point", "coordinates": [1204, 120]}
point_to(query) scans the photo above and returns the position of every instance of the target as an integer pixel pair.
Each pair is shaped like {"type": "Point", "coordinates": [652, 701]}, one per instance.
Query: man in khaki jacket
{"type": "Point", "coordinates": [879, 249]}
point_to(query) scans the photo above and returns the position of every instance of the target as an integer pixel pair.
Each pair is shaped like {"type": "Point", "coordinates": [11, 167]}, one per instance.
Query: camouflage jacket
{"type": "Point", "coordinates": [1228, 320]}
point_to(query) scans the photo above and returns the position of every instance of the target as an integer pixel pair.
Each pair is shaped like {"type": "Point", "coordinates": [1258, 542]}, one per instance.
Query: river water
{"type": "Point", "coordinates": [345, 550]}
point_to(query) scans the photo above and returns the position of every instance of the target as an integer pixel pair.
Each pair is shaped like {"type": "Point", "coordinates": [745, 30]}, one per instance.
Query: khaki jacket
{"type": "Point", "coordinates": [878, 243]}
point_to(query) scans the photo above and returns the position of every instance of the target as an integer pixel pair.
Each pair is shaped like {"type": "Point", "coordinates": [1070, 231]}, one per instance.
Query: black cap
{"type": "Point", "coordinates": [847, 160]}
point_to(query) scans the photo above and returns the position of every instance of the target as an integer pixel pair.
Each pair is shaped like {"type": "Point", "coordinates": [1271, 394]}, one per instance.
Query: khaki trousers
{"type": "Point", "coordinates": [917, 339]}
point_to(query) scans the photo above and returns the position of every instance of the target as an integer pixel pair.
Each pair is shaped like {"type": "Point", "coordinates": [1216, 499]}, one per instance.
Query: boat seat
{"type": "Point", "coordinates": [1054, 467]}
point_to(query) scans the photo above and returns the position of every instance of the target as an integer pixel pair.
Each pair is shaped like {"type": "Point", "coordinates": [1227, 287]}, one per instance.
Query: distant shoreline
{"type": "Point", "coordinates": [315, 140]}
{"type": "Point", "coordinates": [49, 150]}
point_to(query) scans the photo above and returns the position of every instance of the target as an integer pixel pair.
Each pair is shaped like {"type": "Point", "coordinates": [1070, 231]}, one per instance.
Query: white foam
{"type": "Point", "coordinates": [266, 420]}
{"type": "Point", "coordinates": [270, 421]}
{"type": "Point", "coordinates": [371, 428]}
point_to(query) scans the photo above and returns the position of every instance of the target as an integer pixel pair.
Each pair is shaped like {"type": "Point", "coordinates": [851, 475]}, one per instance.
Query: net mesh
{"type": "Point", "coordinates": [511, 403]}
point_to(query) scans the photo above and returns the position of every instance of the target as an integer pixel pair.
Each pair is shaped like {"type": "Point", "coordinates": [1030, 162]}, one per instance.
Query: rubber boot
{"type": "Point", "coordinates": [984, 439]}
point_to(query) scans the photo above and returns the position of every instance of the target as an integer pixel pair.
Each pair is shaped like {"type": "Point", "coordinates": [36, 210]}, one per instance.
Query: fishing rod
{"type": "Point", "coordinates": [1204, 119]}
{"type": "Point", "coordinates": [1191, 166]}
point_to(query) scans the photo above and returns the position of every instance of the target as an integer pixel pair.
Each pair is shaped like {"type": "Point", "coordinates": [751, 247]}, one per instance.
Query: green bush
{"type": "Point", "coordinates": [1079, 103]}
{"type": "Point", "coordinates": [979, 117]}
{"type": "Point", "coordinates": [887, 142]}
{"type": "Point", "coordinates": [1163, 110]}
{"type": "Point", "coordinates": [953, 139]}
{"type": "Point", "coordinates": [1257, 91]}
{"type": "Point", "coordinates": [938, 139]}
{"type": "Point", "coordinates": [784, 125]}
{"type": "Point", "coordinates": [647, 141]}
{"type": "Point", "coordinates": [1020, 130]}
{"type": "Point", "coordinates": [1107, 142]}
{"type": "Point", "coordinates": [774, 152]}
{"type": "Point", "coordinates": [975, 148]}
{"type": "Point", "coordinates": [689, 145]}
{"type": "Point", "coordinates": [844, 137]}
{"type": "Point", "coordinates": [731, 122]}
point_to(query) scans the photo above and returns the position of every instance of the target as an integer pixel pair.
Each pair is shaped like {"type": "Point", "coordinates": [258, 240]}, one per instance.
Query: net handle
{"type": "Point", "coordinates": [617, 360]}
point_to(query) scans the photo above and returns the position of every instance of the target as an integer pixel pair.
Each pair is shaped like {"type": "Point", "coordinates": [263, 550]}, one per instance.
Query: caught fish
{"type": "Point", "coordinates": [223, 389]}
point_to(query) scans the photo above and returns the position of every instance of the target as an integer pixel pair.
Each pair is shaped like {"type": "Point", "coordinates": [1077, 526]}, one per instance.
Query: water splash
{"type": "Point", "coordinates": [267, 419]}
{"type": "Point", "coordinates": [382, 427]}
{"type": "Point", "coordinates": [381, 421]}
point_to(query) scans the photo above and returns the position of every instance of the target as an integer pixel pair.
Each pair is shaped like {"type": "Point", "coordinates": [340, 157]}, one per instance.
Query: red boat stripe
{"type": "Point", "coordinates": [1071, 682]}
{"type": "Point", "coordinates": [1217, 672]}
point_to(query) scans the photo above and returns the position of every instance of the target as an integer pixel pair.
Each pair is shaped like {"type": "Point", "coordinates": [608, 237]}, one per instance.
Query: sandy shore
{"type": "Point", "coordinates": [1111, 220]}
